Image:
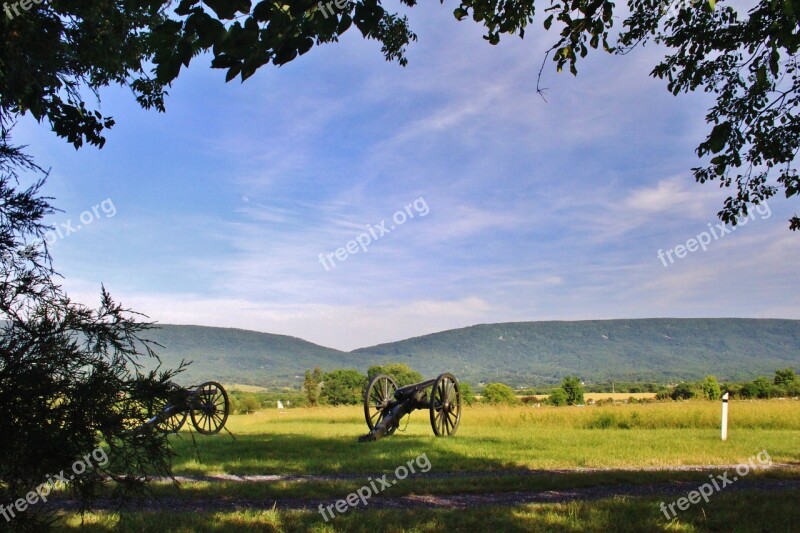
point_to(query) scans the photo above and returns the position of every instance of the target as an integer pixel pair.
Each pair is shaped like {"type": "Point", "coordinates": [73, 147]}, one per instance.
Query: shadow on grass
{"type": "Point", "coordinates": [726, 512]}
{"type": "Point", "coordinates": [307, 455]}
{"type": "Point", "coordinates": [522, 485]}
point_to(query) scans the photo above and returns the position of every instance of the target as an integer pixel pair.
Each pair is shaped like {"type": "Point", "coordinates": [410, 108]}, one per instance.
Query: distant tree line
{"type": "Point", "coordinates": [346, 387]}
{"type": "Point", "coordinates": [784, 384]}
{"type": "Point", "coordinates": [569, 393]}
{"type": "Point", "coordinates": [336, 387]}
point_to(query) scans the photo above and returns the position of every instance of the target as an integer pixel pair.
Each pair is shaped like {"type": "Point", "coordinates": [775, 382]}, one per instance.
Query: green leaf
{"type": "Point", "coordinates": [263, 11]}
{"type": "Point", "coordinates": [233, 72]}
{"type": "Point", "coordinates": [224, 61]}
{"type": "Point", "coordinates": [224, 9]}
{"type": "Point", "coordinates": [719, 137]}
{"type": "Point", "coordinates": [774, 62]}
{"type": "Point", "coordinates": [344, 24]}
{"type": "Point", "coordinates": [185, 7]}
{"type": "Point", "coordinates": [761, 75]}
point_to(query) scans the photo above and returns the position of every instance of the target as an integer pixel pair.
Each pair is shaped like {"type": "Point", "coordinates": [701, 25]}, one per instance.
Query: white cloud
{"type": "Point", "coordinates": [344, 327]}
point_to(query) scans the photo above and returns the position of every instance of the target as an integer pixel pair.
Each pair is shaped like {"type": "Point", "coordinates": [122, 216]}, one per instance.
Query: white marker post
{"type": "Point", "coordinates": [725, 416]}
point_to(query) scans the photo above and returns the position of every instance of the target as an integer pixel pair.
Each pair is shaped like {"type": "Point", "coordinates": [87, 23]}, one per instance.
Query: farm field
{"type": "Point", "coordinates": [595, 396]}
{"type": "Point", "coordinates": [513, 468]}
{"type": "Point", "coordinates": [238, 387]}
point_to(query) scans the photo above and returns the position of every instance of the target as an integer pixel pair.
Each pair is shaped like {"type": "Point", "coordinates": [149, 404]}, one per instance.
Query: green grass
{"type": "Point", "coordinates": [734, 512]}
{"type": "Point", "coordinates": [323, 441]}
{"type": "Point", "coordinates": [621, 440]}
{"type": "Point", "coordinates": [334, 489]}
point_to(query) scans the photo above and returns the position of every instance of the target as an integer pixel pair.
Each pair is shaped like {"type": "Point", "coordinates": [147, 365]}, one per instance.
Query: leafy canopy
{"type": "Point", "coordinates": [744, 53]}
{"type": "Point", "coordinates": [558, 397]}
{"type": "Point", "coordinates": [711, 388]}
{"type": "Point", "coordinates": [683, 391]}
{"type": "Point", "coordinates": [343, 387]}
{"type": "Point", "coordinates": [499, 393]}
{"type": "Point", "coordinates": [312, 385]}
{"type": "Point", "coordinates": [785, 376]}
{"type": "Point", "coordinates": [573, 390]}
{"type": "Point", "coordinates": [402, 373]}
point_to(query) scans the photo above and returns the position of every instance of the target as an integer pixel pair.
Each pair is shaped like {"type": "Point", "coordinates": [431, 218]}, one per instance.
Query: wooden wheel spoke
{"type": "Point", "coordinates": [377, 397]}
{"type": "Point", "coordinates": [451, 420]}
{"type": "Point", "coordinates": [209, 407]}
{"type": "Point", "coordinates": [445, 405]}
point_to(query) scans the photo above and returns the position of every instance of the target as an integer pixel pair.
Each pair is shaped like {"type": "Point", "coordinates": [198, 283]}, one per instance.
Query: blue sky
{"type": "Point", "coordinates": [535, 211]}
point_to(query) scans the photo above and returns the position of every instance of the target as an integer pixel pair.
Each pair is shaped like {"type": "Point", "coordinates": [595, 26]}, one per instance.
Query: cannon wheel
{"type": "Point", "coordinates": [210, 408]}
{"type": "Point", "coordinates": [445, 405]}
{"type": "Point", "coordinates": [379, 393]}
{"type": "Point", "coordinates": [171, 424]}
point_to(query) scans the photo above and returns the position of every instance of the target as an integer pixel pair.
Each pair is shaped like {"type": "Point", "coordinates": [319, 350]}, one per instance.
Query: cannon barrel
{"type": "Point", "coordinates": [410, 389]}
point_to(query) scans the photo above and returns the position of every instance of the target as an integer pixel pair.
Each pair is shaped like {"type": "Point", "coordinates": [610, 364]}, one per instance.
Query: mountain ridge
{"type": "Point", "coordinates": [518, 353]}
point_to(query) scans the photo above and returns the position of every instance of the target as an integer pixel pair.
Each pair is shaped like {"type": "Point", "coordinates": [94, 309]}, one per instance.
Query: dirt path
{"type": "Point", "coordinates": [668, 490]}
{"type": "Point", "coordinates": [267, 478]}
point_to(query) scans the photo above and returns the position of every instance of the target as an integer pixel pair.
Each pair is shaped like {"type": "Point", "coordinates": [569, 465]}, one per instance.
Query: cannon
{"type": "Point", "coordinates": [385, 404]}
{"type": "Point", "coordinates": [207, 404]}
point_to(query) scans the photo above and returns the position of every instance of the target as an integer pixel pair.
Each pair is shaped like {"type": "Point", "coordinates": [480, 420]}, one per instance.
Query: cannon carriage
{"type": "Point", "coordinates": [207, 404]}
{"type": "Point", "coordinates": [385, 404]}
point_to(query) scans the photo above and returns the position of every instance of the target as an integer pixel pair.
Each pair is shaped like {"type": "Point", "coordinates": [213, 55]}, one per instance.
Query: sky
{"type": "Point", "coordinates": [230, 209]}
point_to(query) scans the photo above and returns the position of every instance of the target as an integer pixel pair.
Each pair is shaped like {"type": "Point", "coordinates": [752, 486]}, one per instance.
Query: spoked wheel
{"type": "Point", "coordinates": [210, 408]}
{"type": "Point", "coordinates": [445, 405]}
{"type": "Point", "coordinates": [379, 393]}
{"type": "Point", "coordinates": [169, 418]}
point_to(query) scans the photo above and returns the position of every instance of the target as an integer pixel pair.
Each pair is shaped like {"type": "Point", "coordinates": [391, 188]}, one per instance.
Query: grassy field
{"type": "Point", "coordinates": [238, 387]}
{"type": "Point", "coordinates": [323, 440]}
{"type": "Point", "coordinates": [570, 447]}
